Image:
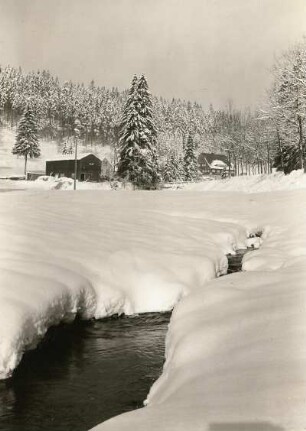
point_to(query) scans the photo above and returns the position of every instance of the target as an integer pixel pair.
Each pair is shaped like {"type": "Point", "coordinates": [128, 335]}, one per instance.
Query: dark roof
{"type": "Point", "coordinates": [210, 157]}
{"type": "Point", "coordinates": [62, 157]}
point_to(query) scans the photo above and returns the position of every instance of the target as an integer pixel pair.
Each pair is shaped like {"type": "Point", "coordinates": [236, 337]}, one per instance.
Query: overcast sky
{"type": "Point", "coordinates": [204, 50]}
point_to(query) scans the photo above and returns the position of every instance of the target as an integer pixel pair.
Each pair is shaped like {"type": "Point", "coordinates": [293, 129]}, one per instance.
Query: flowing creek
{"type": "Point", "coordinates": [86, 372]}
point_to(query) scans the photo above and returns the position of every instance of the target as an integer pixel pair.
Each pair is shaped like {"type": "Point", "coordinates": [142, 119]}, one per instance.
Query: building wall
{"type": "Point", "coordinates": [88, 168]}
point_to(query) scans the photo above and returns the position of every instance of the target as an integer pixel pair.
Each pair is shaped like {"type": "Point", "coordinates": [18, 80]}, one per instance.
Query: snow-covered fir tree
{"type": "Point", "coordinates": [27, 144]}
{"type": "Point", "coordinates": [190, 160]}
{"type": "Point", "coordinates": [172, 170]}
{"type": "Point", "coordinates": [137, 156]}
{"type": "Point", "coordinates": [129, 135]}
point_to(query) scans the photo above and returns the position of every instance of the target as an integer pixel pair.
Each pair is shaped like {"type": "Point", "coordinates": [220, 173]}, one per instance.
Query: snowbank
{"type": "Point", "coordinates": [235, 350]}
{"type": "Point", "coordinates": [251, 184]}
{"type": "Point", "coordinates": [99, 253]}
{"type": "Point", "coordinates": [236, 346]}
{"type": "Point", "coordinates": [45, 182]}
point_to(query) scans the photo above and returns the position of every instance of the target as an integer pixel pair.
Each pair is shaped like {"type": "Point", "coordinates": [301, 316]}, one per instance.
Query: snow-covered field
{"type": "Point", "coordinates": [236, 345]}
{"type": "Point", "coordinates": [246, 184]}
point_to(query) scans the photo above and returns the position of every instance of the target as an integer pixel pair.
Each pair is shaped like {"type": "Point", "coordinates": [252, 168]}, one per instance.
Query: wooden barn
{"type": "Point", "coordinates": [214, 164]}
{"type": "Point", "coordinates": [88, 167]}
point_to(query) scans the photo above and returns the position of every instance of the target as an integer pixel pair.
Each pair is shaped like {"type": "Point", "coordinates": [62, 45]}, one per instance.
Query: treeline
{"type": "Point", "coordinates": [253, 141]}
{"type": "Point", "coordinates": [57, 105]}
{"type": "Point", "coordinates": [285, 112]}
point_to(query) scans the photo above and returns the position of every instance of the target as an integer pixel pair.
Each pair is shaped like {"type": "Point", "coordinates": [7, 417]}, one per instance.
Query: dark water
{"type": "Point", "coordinates": [235, 260]}
{"type": "Point", "coordinates": [84, 373]}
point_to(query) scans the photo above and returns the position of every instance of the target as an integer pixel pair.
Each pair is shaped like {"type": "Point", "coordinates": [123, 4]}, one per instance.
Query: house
{"type": "Point", "coordinates": [214, 164]}
{"type": "Point", "coordinates": [88, 167]}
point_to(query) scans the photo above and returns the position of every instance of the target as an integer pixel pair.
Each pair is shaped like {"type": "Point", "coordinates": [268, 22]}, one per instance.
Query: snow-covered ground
{"type": "Point", "coordinates": [246, 184]}
{"type": "Point", "coordinates": [250, 183]}
{"type": "Point", "coordinates": [236, 345]}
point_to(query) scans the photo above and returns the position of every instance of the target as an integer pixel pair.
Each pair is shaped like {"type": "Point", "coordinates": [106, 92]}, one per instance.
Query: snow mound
{"type": "Point", "coordinates": [97, 254]}
{"type": "Point", "coordinates": [253, 183]}
{"type": "Point", "coordinates": [235, 351]}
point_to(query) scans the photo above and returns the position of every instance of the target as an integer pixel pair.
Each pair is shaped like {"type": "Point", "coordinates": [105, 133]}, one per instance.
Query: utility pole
{"type": "Point", "coordinates": [75, 162]}
{"type": "Point", "coordinates": [77, 134]}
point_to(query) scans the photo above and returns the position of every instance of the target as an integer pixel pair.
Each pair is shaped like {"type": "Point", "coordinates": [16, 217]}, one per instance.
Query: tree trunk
{"type": "Point", "coordinates": [258, 166]}
{"type": "Point", "coordinates": [268, 154]}
{"type": "Point", "coordinates": [280, 148]}
{"type": "Point", "coordinates": [25, 165]}
{"type": "Point", "coordinates": [301, 142]}
{"type": "Point", "coordinates": [229, 165]}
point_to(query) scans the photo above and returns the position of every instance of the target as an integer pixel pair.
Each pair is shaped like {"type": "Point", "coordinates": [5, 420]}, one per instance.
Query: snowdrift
{"type": "Point", "coordinates": [236, 345]}
{"type": "Point", "coordinates": [251, 184]}
{"type": "Point", "coordinates": [235, 350]}
{"type": "Point", "coordinates": [97, 254]}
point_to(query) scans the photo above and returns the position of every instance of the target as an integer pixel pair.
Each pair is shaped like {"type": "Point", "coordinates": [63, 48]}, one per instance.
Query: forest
{"type": "Point", "coordinates": [254, 140]}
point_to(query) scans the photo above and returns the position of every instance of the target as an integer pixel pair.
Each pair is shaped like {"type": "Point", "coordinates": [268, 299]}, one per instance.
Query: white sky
{"type": "Point", "coordinates": [204, 50]}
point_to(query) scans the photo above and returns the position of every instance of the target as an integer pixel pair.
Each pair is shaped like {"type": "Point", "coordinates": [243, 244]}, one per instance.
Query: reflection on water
{"type": "Point", "coordinates": [84, 373]}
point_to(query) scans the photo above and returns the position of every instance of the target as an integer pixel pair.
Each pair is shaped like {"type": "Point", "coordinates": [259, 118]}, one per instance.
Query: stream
{"type": "Point", "coordinates": [84, 373]}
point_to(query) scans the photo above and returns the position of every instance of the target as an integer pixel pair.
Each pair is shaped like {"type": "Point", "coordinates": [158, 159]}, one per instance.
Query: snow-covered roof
{"type": "Point", "coordinates": [215, 161]}
{"type": "Point", "coordinates": [210, 157]}
{"type": "Point", "coordinates": [60, 157]}
{"type": "Point", "coordinates": [218, 164]}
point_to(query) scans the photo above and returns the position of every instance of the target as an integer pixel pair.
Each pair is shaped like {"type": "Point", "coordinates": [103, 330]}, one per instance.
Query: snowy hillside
{"type": "Point", "coordinates": [14, 165]}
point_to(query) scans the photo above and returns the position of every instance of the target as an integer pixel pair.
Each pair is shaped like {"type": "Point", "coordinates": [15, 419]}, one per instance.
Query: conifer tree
{"type": "Point", "coordinates": [27, 138]}
{"type": "Point", "coordinates": [190, 160]}
{"type": "Point", "coordinates": [65, 149]}
{"type": "Point", "coordinates": [138, 158]}
{"type": "Point", "coordinates": [172, 171]}
{"type": "Point", "coordinates": [129, 135]}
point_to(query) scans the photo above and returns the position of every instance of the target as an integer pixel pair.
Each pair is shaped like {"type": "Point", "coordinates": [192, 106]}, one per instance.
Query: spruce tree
{"type": "Point", "coordinates": [190, 160]}
{"type": "Point", "coordinates": [129, 135]}
{"type": "Point", "coordinates": [26, 143]}
{"type": "Point", "coordinates": [137, 158]}
{"type": "Point", "coordinates": [172, 171]}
